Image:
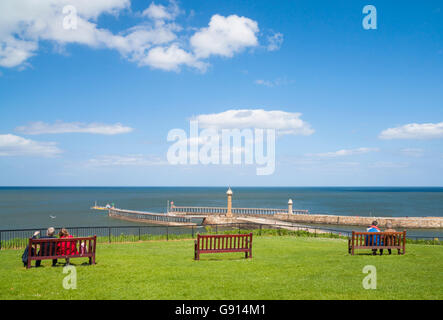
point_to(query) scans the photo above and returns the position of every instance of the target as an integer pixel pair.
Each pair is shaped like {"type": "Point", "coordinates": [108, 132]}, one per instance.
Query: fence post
{"type": "Point", "coordinates": [192, 232]}
{"type": "Point", "coordinates": [139, 234]}
{"type": "Point", "coordinates": [109, 234]}
{"type": "Point", "coordinates": [167, 232]}
{"type": "Point", "coordinates": [1, 240]}
{"type": "Point", "coordinates": [216, 228]}
{"type": "Point", "coordinates": [261, 228]}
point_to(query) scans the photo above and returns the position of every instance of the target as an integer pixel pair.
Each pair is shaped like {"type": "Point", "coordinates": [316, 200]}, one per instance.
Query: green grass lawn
{"type": "Point", "coordinates": [283, 267]}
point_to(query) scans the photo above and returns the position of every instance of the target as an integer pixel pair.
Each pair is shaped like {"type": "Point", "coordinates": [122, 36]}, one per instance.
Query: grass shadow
{"type": "Point", "coordinates": [222, 259]}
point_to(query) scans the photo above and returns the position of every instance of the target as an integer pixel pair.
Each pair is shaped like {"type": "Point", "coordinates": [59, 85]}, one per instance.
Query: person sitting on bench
{"type": "Point", "coordinates": [373, 228]}
{"type": "Point", "coordinates": [44, 249]}
{"type": "Point", "coordinates": [66, 247]}
{"type": "Point", "coordinates": [389, 229]}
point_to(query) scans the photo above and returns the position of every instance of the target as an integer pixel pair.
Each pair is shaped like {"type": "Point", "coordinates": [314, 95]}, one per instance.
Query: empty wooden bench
{"type": "Point", "coordinates": [223, 243]}
{"type": "Point", "coordinates": [48, 249]}
{"type": "Point", "coordinates": [377, 240]}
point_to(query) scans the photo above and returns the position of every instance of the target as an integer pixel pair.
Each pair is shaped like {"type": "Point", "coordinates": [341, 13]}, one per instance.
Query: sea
{"type": "Point", "coordinates": [41, 207]}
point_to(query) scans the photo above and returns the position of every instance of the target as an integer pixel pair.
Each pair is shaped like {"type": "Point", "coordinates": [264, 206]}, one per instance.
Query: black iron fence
{"type": "Point", "coordinates": [18, 238]}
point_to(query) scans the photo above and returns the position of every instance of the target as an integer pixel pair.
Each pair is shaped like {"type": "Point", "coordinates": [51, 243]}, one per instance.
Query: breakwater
{"type": "Point", "coordinates": [397, 222]}
{"type": "Point", "coordinates": [149, 217]}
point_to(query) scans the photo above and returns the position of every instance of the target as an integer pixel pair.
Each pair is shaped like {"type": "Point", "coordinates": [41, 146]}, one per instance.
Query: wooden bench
{"type": "Point", "coordinates": [47, 249]}
{"type": "Point", "coordinates": [223, 243]}
{"type": "Point", "coordinates": [377, 240]}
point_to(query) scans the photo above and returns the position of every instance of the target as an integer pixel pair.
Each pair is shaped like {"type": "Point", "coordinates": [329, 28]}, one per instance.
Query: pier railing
{"type": "Point", "coordinates": [238, 211]}
{"type": "Point", "coordinates": [198, 210]}
{"type": "Point", "coordinates": [149, 216]}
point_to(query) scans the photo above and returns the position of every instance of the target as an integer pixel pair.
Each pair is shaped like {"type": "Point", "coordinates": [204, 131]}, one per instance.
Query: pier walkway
{"type": "Point", "coordinates": [150, 217]}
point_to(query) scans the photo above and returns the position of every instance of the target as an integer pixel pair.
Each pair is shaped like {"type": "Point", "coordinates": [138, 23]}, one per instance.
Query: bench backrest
{"type": "Point", "coordinates": [224, 242]}
{"type": "Point", "coordinates": [378, 239]}
{"type": "Point", "coordinates": [48, 248]}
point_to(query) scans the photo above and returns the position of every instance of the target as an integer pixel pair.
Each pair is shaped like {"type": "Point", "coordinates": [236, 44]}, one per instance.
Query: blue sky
{"type": "Point", "coordinates": [373, 98]}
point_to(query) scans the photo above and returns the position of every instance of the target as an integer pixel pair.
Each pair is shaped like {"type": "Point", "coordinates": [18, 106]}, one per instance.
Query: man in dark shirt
{"type": "Point", "coordinates": [47, 248]}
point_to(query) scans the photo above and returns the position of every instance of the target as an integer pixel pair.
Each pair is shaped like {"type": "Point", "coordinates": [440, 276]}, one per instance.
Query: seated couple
{"type": "Point", "coordinates": [62, 248]}
{"type": "Point", "coordinates": [374, 228]}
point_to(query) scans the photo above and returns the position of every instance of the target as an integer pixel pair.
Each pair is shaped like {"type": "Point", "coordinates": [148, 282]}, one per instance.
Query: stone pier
{"type": "Point", "coordinates": [397, 222]}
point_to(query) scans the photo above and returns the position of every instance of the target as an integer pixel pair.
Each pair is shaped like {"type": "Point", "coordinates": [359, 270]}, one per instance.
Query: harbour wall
{"type": "Point", "coordinates": [397, 222]}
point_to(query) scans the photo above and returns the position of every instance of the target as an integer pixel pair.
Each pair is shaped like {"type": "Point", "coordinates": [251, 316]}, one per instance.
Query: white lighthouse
{"type": "Point", "coordinates": [290, 206]}
{"type": "Point", "coordinates": [229, 193]}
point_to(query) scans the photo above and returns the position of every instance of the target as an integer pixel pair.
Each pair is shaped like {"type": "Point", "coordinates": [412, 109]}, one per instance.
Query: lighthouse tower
{"type": "Point", "coordinates": [290, 206]}
{"type": "Point", "coordinates": [229, 194]}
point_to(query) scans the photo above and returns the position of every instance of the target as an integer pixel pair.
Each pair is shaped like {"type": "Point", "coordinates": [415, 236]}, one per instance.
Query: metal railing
{"type": "Point", "coordinates": [238, 211]}
{"type": "Point", "coordinates": [154, 217]}
{"type": "Point", "coordinates": [18, 238]}
{"type": "Point", "coordinates": [198, 210]}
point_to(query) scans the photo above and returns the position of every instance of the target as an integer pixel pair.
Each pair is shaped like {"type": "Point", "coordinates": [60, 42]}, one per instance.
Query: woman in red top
{"type": "Point", "coordinates": [66, 248]}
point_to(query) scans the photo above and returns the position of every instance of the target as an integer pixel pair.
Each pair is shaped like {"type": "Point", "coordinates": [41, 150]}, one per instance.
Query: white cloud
{"type": "Point", "coordinates": [225, 36]}
{"type": "Point", "coordinates": [265, 83]}
{"type": "Point", "coordinates": [14, 52]}
{"type": "Point", "coordinates": [160, 12]}
{"type": "Point", "coordinates": [275, 41]}
{"type": "Point", "coordinates": [156, 42]}
{"type": "Point", "coordinates": [272, 83]}
{"type": "Point", "coordinates": [283, 122]}
{"type": "Point", "coordinates": [23, 23]}
{"type": "Point", "coordinates": [39, 127]}
{"type": "Point", "coordinates": [389, 165]}
{"type": "Point", "coordinates": [344, 152]}
{"type": "Point", "coordinates": [412, 152]}
{"type": "Point", "coordinates": [414, 131]}
{"type": "Point", "coordinates": [12, 145]}
{"type": "Point", "coordinates": [170, 58]}
{"type": "Point", "coordinates": [126, 160]}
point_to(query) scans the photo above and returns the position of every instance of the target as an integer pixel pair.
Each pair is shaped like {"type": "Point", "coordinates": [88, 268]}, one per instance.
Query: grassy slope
{"type": "Point", "coordinates": [282, 268]}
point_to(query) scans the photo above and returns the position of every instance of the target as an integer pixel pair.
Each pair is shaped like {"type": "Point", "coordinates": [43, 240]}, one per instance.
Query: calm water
{"type": "Point", "coordinates": [26, 207]}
